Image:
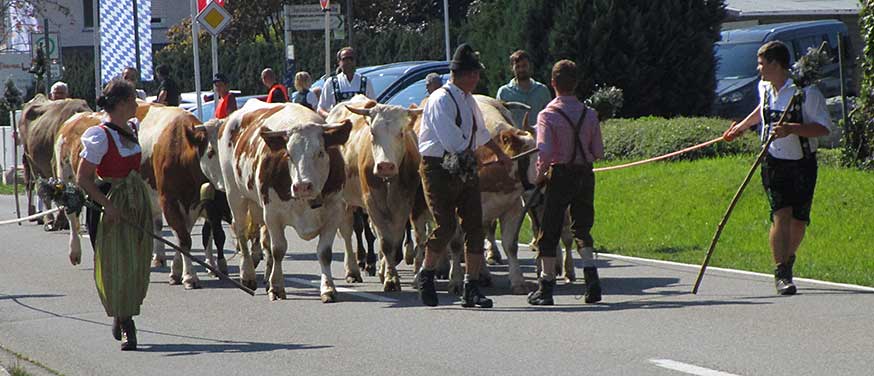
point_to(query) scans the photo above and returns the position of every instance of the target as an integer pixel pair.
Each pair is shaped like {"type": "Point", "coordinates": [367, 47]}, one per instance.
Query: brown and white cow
{"type": "Point", "coordinates": [281, 163]}
{"type": "Point", "coordinates": [382, 168]}
{"type": "Point", "coordinates": [38, 127]}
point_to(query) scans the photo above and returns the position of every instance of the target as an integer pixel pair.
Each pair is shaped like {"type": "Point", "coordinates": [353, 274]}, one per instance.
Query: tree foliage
{"type": "Point", "coordinates": [858, 134]}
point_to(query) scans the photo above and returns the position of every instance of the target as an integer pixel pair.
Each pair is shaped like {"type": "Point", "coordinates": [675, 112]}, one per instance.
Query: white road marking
{"type": "Point", "coordinates": [688, 368]}
{"type": "Point", "coordinates": [726, 270]}
{"type": "Point", "coordinates": [345, 290]}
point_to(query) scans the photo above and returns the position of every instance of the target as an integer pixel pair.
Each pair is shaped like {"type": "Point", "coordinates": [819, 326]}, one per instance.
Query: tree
{"type": "Point", "coordinates": [858, 135]}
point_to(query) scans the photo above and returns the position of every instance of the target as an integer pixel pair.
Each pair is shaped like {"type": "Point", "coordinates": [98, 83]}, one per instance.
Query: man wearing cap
{"type": "Point", "coordinates": [277, 93]}
{"type": "Point", "coordinates": [225, 101]}
{"type": "Point", "coordinates": [452, 128]}
{"type": "Point", "coordinates": [345, 84]}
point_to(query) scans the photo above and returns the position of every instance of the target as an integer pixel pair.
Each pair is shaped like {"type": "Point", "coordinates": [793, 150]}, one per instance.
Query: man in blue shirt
{"type": "Point", "coordinates": [522, 88]}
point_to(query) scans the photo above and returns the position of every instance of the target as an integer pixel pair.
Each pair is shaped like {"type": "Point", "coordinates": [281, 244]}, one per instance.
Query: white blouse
{"type": "Point", "coordinates": [95, 146]}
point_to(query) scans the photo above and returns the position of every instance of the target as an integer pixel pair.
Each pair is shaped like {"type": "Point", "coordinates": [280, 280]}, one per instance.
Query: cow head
{"type": "Point", "coordinates": [208, 154]}
{"type": "Point", "coordinates": [515, 142]}
{"type": "Point", "coordinates": [308, 161]}
{"type": "Point", "coordinates": [388, 125]}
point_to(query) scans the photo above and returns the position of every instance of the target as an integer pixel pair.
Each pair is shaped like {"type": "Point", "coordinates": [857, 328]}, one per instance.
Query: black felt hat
{"type": "Point", "coordinates": [465, 59]}
{"type": "Point", "coordinates": [219, 77]}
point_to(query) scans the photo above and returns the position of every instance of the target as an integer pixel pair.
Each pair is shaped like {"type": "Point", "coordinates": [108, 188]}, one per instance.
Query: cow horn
{"type": "Point", "coordinates": [359, 111]}
{"type": "Point", "coordinates": [413, 111]}
{"type": "Point", "coordinates": [517, 106]}
{"type": "Point", "coordinates": [265, 132]}
{"type": "Point", "coordinates": [525, 122]}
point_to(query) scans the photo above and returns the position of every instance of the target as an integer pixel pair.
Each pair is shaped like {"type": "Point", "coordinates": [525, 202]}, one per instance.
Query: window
{"type": "Point", "coordinates": [88, 10]}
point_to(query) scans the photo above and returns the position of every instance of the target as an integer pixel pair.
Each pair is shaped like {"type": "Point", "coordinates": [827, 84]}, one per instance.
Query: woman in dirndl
{"type": "Point", "coordinates": [109, 174]}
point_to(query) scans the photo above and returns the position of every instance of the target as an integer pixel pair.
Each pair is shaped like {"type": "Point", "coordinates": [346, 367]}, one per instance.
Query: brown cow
{"type": "Point", "coordinates": [382, 165]}
{"type": "Point", "coordinates": [38, 129]}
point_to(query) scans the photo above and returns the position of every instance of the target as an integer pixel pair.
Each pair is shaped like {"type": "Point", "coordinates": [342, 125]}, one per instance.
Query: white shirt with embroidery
{"type": "Point", "coordinates": [813, 110]}
{"type": "Point", "coordinates": [327, 100]}
{"type": "Point", "coordinates": [440, 134]}
{"type": "Point", "coordinates": [95, 144]}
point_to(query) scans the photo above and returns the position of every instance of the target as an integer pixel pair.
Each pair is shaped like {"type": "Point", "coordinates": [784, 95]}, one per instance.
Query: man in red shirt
{"type": "Point", "coordinates": [277, 93]}
{"type": "Point", "coordinates": [225, 101]}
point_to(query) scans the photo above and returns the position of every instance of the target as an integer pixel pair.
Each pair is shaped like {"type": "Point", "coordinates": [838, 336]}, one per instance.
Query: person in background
{"type": "Point", "coordinates": [168, 93]}
{"type": "Point", "coordinates": [132, 75]}
{"type": "Point", "coordinates": [122, 253]}
{"type": "Point", "coordinates": [303, 94]}
{"type": "Point", "coordinates": [59, 91]}
{"type": "Point", "coordinates": [345, 84]}
{"type": "Point", "coordinates": [524, 89]}
{"type": "Point", "coordinates": [276, 92]}
{"type": "Point", "coordinates": [433, 82]}
{"type": "Point", "coordinates": [569, 141]}
{"type": "Point", "coordinates": [226, 103]}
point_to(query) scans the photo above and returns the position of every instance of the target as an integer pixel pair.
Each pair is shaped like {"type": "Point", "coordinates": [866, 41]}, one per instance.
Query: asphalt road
{"type": "Point", "coordinates": [648, 323]}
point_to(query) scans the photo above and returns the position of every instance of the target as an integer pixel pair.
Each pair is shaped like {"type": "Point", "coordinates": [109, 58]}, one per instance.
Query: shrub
{"type": "Point", "coordinates": [634, 139]}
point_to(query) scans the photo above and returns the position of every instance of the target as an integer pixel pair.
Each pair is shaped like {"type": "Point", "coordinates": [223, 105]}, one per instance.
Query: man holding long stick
{"type": "Point", "coordinates": [789, 169]}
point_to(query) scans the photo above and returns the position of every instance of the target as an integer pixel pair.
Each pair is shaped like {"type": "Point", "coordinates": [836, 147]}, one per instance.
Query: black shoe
{"type": "Point", "coordinates": [427, 288]}
{"type": "Point", "coordinates": [473, 297]}
{"type": "Point", "coordinates": [783, 279]}
{"type": "Point", "coordinates": [543, 295]}
{"type": "Point", "coordinates": [593, 285]}
{"type": "Point", "coordinates": [791, 264]}
{"type": "Point", "coordinates": [116, 329]}
{"type": "Point", "coordinates": [128, 335]}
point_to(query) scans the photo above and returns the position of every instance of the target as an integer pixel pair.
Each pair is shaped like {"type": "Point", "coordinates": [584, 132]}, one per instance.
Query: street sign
{"type": "Point", "coordinates": [214, 18]}
{"type": "Point", "coordinates": [56, 71]}
{"type": "Point", "coordinates": [312, 10]}
{"type": "Point", "coordinates": [324, 4]}
{"type": "Point", "coordinates": [202, 4]}
{"type": "Point", "coordinates": [38, 39]}
{"type": "Point", "coordinates": [315, 23]}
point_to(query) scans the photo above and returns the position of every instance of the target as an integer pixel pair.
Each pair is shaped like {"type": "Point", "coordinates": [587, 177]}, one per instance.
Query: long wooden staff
{"type": "Point", "coordinates": [737, 197]}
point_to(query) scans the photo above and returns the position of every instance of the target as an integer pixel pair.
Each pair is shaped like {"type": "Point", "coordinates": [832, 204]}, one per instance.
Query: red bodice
{"type": "Point", "coordinates": [113, 165]}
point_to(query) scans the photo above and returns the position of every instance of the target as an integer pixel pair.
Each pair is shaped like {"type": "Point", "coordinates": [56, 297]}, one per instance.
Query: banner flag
{"type": "Point", "coordinates": [118, 39]}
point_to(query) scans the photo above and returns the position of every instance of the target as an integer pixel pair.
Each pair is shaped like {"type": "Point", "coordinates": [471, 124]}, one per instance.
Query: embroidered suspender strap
{"type": "Point", "coordinates": [335, 83]}
{"type": "Point", "coordinates": [577, 128]}
{"type": "Point", "coordinates": [795, 115]}
{"type": "Point", "coordinates": [458, 118]}
{"type": "Point", "coordinates": [363, 89]}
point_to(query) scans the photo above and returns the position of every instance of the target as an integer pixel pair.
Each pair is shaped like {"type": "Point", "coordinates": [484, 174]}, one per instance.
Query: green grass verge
{"type": "Point", "coordinates": [669, 211]}
{"type": "Point", "coordinates": [7, 189]}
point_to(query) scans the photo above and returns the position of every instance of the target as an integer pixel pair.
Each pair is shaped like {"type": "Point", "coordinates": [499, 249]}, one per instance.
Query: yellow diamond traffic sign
{"type": "Point", "coordinates": [214, 18]}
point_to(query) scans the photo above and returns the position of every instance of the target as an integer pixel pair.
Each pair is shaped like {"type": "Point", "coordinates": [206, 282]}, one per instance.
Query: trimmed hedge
{"type": "Point", "coordinates": [647, 137]}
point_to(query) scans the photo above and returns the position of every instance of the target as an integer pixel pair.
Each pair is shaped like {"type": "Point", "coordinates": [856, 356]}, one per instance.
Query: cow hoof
{"type": "Point", "coordinates": [277, 295]}
{"type": "Point", "coordinates": [371, 270]}
{"type": "Point", "coordinates": [223, 266]}
{"type": "Point", "coordinates": [191, 285]}
{"type": "Point", "coordinates": [354, 278]}
{"type": "Point", "coordinates": [494, 258]}
{"type": "Point", "coordinates": [392, 285]}
{"type": "Point", "coordinates": [175, 280]}
{"type": "Point", "coordinates": [50, 227]}
{"type": "Point", "coordinates": [158, 262]}
{"type": "Point", "coordinates": [519, 290]}
{"type": "Point", "coordinates": [329, 297]}
{"type": "Point", "coordinates": [570, 278]}
{"type": "Point", "coordinates": [251, 285]}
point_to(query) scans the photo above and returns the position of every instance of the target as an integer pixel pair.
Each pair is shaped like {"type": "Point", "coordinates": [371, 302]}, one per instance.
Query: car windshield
{"type": "Point", "coordinates": [413, 94]}
{"type": "Point", "coordinates": [736, 60]}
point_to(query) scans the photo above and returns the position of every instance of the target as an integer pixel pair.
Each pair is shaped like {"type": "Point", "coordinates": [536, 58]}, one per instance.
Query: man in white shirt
{"type": "Point", "coordinates": [345, 84]}
{"type": "Point", "coordinates": [452, 128]}
{"type": "Point", "coordinates": [789, 168]}
{"type": "Point", "coordinates": [132, 75]}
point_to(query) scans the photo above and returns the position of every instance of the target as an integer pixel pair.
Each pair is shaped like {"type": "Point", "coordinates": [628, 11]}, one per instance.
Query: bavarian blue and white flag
{"type": "Point", "coordinates": [118, 48]}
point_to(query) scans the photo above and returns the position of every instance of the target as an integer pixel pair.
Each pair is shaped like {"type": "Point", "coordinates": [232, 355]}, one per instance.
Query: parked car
{"type": "Point", "coordinates": [736, 75]}
{"type": "Point", "coordinates": [389, 79]}
{"type": "Point", "coordinates": [209, 107]}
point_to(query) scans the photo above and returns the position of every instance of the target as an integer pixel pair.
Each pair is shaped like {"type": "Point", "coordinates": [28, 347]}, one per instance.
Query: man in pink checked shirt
{"type": "Point", "coordinates": [569, 139]}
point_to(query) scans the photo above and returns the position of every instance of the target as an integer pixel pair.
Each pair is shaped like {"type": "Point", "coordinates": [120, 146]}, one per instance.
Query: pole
{"type": "Point", "coordinates": [349, 23]}
{"type": "Point", "coordinates": [195, 31]}
{"type": "Point", "coordinates": [289, 47]}
{"type": "Point", "coordinates": [137, 35]}
{"type": "Point", "coordinates": [446, 27]}
{"type": "Point", "coordinates": [736, 197]}
{"type": "Point", "coordinates": [215, 67]}
{"type": "Point", "coordinates": [843, 83]}
{"type": "Point", "coordinates": [48, 66]}
{"type": "Point", "coordinates": [328, 41]}
{"type": "Point", "coordinates": [95, 16]}
{"type": "Point", "coordinates": [15, 164]}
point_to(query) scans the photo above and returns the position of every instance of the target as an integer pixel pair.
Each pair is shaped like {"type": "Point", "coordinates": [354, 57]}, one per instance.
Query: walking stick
{"type": "Point", "coordinates": [15, 166]}
{"type": "Point", "coordinates": [72, 199]}
{"type": "Point", "coordinates": [737, 195]}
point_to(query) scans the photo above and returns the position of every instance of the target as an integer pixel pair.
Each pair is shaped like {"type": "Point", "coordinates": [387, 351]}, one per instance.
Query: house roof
{"type": "Point", "coordinates": [755, 8]}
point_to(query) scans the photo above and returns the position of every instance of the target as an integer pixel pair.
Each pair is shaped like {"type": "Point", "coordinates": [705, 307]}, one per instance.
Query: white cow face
{"type": "Point", "coordinates": [209, 158]}
{"type": "Point", "coordinates": [387, 125]}
{"type": "Point", "coordinates": [308, 161]}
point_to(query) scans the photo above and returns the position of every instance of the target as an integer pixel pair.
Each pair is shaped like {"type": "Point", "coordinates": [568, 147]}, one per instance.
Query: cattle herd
{"type": "Point", "coordinates": [284, 165]}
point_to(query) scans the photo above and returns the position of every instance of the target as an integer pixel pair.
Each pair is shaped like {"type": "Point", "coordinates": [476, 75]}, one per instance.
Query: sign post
{"type": "Point", "coordinates": [326, 7]}
{"type": "Point", "coordinates": [195, 30]}
{"type": "Point", "coordinates": [214, 19]}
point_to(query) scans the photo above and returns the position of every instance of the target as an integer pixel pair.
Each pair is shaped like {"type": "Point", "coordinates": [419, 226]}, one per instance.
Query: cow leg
{"type": "Point", "coordinates": [159, 259]}
{"type": "Point", "coordinates": [567, 240]}
{"type": "Point", "coordinates": [358, 227]}
{"type": "Point", "coordinates": [75, 240]}
{"type": "Point", "coordinates": [371, 239]}
{"type": "Point", "coordinates": [206, 240]}
{"type": "Point", "coordinates": [350, 259]}
{"type": "Point", "coordinates": [420, 228]}
{"type": "Point", "coordinates": [218, 237]}
{"type": "Point", "coordinates": [493, 252]}
{"type": "Point", "coordinates": [327, 290]}
{"type": "Point", "coordinates": [181, 224]}
{"type": "Point", "coordinates": [267, 246]}
{"type": "Point", "coordinates": [510, 222]}
{"type": "Point", "coordinates": [240, 227]}
{"type": "Point", "coordinates": [278, 248]}
{"type": "Point", "coordinates": [390, 248]}
{"type": "Point", "coordinates": [456, 271]}
{"type": "Point", "coordinates": [257, 235]}
{"type": "Point", "coordinates": [409, 245]}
